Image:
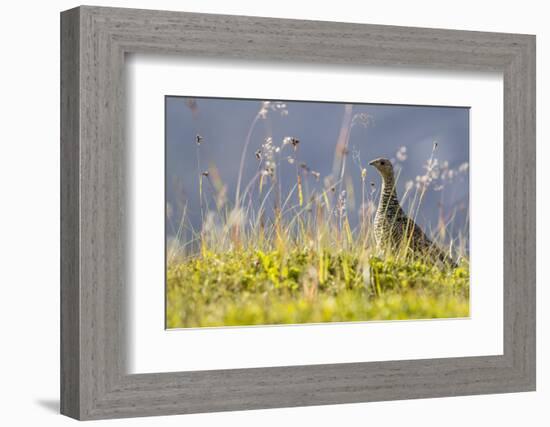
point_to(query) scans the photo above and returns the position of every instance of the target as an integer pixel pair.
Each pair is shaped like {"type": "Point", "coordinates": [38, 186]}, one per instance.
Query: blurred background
{"type": "Point", "coordinates": [408, 135]}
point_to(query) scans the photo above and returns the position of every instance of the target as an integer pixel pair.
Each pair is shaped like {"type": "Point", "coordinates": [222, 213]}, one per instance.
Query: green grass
{"type": "Point", "coordinates": [250, 287]}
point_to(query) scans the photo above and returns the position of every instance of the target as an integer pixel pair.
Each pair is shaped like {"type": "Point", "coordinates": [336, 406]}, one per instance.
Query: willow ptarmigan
{"type": "Point", "coordinates": [393, 228]}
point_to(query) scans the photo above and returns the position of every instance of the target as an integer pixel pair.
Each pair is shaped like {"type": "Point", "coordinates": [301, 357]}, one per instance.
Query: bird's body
{"type": "Point", "coordinates": [393, 229]}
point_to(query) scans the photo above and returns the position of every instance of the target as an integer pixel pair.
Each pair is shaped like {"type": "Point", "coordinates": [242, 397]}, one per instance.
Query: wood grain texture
{"type": "Point", "coordinates": [94, 270]}
{"type": "Point", "coordinates": [70, 292]}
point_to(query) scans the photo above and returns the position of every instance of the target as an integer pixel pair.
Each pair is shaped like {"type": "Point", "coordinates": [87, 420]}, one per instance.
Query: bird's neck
{"type": "Point", "coordinates": [388, 196]}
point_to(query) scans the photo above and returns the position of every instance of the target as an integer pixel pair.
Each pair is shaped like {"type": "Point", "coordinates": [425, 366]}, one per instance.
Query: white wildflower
{"type": "Point", "coordinates": [401, 154]}
{"type": "Point", "coordinates": [363, 119]}
{"type": "Point", "coordinates": [267, 106]}
{"type": "Point", "coordinates": [264, 109]}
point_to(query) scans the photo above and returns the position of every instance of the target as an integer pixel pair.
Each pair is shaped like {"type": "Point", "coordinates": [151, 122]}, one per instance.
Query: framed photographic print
{"type": "Point", "coordinates": [298, 242]}
{"type": "Point", "coordinates": [262, 213]}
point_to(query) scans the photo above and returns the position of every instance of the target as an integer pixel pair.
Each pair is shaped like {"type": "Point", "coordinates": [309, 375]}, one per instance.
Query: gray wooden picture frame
{"type": "Point", "coordinates": [94, 382]}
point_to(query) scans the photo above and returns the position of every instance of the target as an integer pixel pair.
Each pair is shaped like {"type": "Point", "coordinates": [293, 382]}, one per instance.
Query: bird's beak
{"type": "Point", "coordinates": [372, 162]}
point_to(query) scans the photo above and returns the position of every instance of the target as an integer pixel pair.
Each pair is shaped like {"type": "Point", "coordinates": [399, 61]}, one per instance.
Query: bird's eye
{"type": "Point", "coordinates": [382, 162]}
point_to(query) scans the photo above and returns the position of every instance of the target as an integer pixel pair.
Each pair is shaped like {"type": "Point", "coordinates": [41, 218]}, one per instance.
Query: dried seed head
{"type": "Point", "coordinates": [205, 173]}
{"type": "Point", "coordinates": [316, 174]}
{"type": "Point", "coordinates": [292, 141]}
{"type": "Point", "coordinates": [342, 203]}
{"type": "Point", "coordinates": [199, 139]}
{"type": "Point", "coordinates": [267, 152]}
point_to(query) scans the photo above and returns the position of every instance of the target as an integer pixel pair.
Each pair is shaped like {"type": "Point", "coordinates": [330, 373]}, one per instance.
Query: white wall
{"type": "Point", "coordinates": [29, 191]}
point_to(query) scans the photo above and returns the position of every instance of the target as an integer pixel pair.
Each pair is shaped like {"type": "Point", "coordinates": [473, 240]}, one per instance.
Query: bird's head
{"type": "Point", "coordinates": [383, 166]}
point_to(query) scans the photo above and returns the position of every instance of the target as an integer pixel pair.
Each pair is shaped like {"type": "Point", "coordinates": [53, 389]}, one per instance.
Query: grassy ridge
{"type": "Point", "coordinates": [252, 287]}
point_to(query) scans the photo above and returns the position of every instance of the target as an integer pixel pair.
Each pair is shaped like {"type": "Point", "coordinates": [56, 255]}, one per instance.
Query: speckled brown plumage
{"type": "Point", "coordinates": [393, 229]}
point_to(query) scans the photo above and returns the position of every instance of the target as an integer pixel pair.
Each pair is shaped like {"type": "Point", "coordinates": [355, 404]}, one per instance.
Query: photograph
{"type": "Point", "coordinates": [293, 212]}
{"type": "Point", "coordinates": [267, 213]}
